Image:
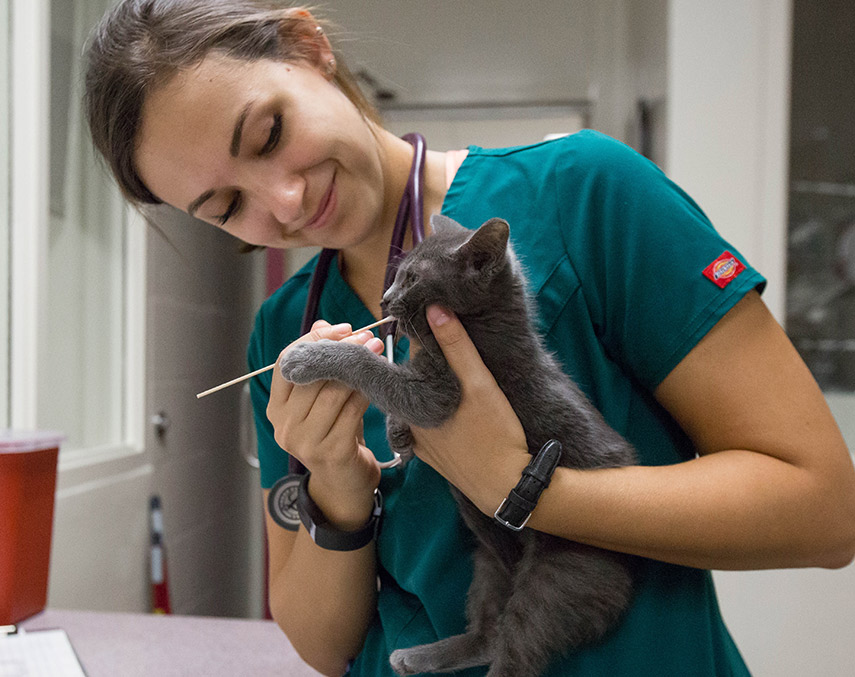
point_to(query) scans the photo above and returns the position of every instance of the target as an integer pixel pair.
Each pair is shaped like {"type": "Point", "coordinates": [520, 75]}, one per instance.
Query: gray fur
{"type": "Point", "coordinates": [532, 595]}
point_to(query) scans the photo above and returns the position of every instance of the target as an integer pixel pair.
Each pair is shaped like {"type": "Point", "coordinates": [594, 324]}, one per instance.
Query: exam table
{"type": "Point", "coordinates": [146, 645]}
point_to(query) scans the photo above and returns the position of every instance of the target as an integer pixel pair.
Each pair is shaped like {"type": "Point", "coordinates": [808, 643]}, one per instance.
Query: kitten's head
{"type": "Point", "coordinates": [462, 270]}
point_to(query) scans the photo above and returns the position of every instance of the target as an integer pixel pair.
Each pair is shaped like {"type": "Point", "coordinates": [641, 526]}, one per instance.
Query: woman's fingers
{"type": "Point", "coordinates": [319, 421]}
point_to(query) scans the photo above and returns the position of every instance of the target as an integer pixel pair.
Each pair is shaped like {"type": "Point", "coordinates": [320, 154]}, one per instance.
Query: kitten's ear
{"type": "Point", "coordinates": [488, 245]}
{"type": "Point", "coordinates": [443, 224]}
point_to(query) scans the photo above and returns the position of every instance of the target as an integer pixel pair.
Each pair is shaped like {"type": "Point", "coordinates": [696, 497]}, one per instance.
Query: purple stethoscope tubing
{"type": "Point", "coordinates": [410, 210]}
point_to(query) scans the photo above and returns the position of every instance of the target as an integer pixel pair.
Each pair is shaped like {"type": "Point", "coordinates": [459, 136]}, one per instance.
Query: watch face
{"type": "Point", "coordinates": [282, 502]}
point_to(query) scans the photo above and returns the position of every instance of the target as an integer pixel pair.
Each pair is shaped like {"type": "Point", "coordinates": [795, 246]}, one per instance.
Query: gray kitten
{"type": "Point", "coordinates": [532, 595]}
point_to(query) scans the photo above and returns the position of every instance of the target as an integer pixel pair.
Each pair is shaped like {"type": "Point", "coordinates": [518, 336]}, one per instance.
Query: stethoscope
{"type": "Point", "coordinates": [411, 209]}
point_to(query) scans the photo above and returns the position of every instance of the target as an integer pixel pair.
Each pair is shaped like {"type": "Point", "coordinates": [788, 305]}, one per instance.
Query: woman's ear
{"type": "Point", "coordinates": [314, 46]}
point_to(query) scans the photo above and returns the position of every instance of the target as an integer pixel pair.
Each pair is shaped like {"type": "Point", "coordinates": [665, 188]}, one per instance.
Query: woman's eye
{"type": "Point", "coordinates": [234, 205]}
{"type": "Point", "coordinates": [275, 135]}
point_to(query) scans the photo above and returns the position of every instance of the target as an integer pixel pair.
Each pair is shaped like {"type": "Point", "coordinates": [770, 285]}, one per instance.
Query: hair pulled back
{"type": "Point", "coordinates": [140, 44]}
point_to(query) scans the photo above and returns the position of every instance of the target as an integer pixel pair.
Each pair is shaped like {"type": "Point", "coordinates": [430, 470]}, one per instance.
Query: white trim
{"type": "Point", "coordinates": [84, 457]}
{"type": "Point", "coordinates": [5, 213]}
{"type": "Point", "coordinates": [136, 233]}
{"type": "Point", "coordinates": [30, 50]}
{"type": "Point", "coordinates": [774, 169]}
{"type": "Point", "coordinates": [104, 482]}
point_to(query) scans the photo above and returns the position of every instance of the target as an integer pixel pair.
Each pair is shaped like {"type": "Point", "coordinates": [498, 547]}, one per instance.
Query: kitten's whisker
{"type": "Point", "coordinates": [415, 331]}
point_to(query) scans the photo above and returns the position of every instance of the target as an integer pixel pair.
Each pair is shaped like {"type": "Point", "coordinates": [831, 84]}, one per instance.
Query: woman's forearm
{"type": "Point", "coordinates": [727, 510]}
{"type": "Point", "coordinates": [323, 600]}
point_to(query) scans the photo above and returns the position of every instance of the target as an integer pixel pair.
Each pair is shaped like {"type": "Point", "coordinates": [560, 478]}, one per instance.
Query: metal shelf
{"type": "Point", "coordinates": [823, 188]}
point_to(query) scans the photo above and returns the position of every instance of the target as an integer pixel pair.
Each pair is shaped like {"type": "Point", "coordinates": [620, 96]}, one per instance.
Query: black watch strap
{"type": "Point", "coordinates": [328, 537]}
{"type": "Point", "coordinates": [516, 509]}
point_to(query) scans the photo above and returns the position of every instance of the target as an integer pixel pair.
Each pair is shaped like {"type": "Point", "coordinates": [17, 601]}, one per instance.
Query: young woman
{"type": "Point", "coordinates": [240, 113]}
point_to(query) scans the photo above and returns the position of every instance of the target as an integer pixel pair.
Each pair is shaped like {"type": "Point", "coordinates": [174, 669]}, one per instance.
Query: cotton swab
{"type": "Point", "coordinates": [270, 366]}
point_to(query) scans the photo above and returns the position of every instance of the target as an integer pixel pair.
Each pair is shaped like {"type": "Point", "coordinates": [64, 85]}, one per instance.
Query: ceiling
{"type": "Point", "coordinates": [448, 51]}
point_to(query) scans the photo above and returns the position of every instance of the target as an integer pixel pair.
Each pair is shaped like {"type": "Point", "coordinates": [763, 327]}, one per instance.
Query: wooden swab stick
{"type": "Point", "coordinates": [270, 366]}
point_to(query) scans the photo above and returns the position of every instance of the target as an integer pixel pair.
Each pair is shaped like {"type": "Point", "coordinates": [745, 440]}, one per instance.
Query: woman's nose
{"type": "Point", "coordinates": [282, 196]}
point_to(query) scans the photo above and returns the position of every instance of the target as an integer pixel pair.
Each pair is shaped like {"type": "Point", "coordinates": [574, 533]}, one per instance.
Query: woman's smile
{"type": "Point", "coordinates": [325, 209]}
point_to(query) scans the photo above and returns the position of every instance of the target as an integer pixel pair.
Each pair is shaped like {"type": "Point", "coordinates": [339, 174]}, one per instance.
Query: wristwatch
{"type": "Point", "coordinates": [282, 502]}
{"type": "Point", "coordinates": [515, 510]}
{"type": "Point", "coordinates": [328, 537]}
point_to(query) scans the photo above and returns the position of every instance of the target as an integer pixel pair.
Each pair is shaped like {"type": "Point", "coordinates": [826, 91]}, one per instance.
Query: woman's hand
{"type": "Point", "coordinates": [320, 424]}
{"type": "Point", "coordinates": [484, 432]}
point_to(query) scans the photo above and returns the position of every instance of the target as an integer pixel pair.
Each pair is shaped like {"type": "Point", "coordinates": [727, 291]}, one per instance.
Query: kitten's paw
{"type": "Point", "coordinates": [304, 362]}
{"type": "Point", "coordinates": [409, 661]}
{"type": "Point", "coordinates": [400, 440]}
{"type": "Point", "coordinates": [447, 655]}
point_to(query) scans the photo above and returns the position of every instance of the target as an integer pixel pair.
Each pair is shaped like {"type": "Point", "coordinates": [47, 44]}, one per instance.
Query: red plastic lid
{"type": "Point", "coordinates": [19, 441]}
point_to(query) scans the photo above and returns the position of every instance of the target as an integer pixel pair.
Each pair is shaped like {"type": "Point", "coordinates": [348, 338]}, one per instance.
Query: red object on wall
{"type": "Point", "coordinates": [159, 579]}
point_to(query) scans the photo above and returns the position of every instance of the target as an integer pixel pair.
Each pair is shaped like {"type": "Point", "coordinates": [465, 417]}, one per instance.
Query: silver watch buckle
{"type": "Point", "coordinates": [507, 524]}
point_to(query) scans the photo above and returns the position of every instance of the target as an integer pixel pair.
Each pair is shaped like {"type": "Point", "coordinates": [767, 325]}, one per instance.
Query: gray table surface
{"type": "Point", "coordinates": [145, 645]}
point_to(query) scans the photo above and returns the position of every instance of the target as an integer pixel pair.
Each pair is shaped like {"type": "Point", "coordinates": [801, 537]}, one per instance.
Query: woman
{"type": "Point", "coordinates": [241, 114]}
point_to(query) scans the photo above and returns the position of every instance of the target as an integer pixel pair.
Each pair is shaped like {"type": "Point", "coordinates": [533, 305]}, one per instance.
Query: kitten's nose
{"type": "Point", "coordinates": [389, 293]}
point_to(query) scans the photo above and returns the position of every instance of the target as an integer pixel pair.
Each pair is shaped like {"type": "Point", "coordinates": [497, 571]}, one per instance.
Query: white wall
{"type": "Point", "coordinates": [728, 110]}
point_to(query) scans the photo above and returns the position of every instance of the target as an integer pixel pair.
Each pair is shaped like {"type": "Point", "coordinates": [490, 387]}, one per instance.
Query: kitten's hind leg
{"type": "Point", "coordinates": [488, 594]}
{"type": "Point", "coordinates": [447, 655]}
{"type": "Point", "coordinates": [400, 439]}
{"type": "Point", "coordinates": [565, 595]}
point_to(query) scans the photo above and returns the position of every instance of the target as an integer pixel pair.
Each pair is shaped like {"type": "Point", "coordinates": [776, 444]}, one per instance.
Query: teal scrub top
{"type": "Point", "coordinates": [628, 275]}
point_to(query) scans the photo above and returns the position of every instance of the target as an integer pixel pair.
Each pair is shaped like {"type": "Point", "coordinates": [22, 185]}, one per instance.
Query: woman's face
{"type": "Point", "coordinates": [271, 152]}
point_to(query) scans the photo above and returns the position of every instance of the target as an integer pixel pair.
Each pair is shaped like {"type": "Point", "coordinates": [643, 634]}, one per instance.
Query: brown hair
{"type": "Point", "coordinates": [140, 44]}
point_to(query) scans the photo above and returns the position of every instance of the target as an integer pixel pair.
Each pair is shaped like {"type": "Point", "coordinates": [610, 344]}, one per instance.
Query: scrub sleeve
{"type": "Point", "coordinates": [628, 275]}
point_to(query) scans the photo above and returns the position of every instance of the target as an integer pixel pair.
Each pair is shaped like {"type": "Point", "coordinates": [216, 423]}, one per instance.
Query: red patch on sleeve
{"type": "Point", "coordinates": [724, 270]}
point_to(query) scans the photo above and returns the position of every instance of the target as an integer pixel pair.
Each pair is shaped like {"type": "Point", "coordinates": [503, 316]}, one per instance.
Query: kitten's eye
{"type": "Point", "coordinates": [275, 135]}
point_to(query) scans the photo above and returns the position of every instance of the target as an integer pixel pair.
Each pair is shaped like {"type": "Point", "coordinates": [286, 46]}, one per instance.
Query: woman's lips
{"type": "Point", "coordinates": [325, 209]}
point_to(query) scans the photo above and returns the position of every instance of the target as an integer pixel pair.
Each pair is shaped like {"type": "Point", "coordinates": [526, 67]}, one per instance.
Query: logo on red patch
{"type": "Point", "coordinates": [724, 270]}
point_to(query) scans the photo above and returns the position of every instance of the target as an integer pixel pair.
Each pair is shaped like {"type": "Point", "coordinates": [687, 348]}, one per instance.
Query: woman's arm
{"type": "Point", "coordinates": [322, 599]}
{"type": "Point", "coordinates": [773, 485]}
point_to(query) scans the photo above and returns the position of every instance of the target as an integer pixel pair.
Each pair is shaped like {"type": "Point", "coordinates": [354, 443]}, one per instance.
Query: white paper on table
{"type": "Point", "coordinates": [39, 653]}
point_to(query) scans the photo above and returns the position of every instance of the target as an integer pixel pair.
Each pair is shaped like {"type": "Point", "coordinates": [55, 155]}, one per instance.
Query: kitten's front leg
{"type": "Point", "coordinates": [396, 390]}
{"type": "Point", "coordinates": [326, 360]}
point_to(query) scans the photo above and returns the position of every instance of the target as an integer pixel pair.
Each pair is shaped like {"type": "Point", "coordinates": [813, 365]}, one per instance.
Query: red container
{"type": "Point", "coordinates": [28, 463]}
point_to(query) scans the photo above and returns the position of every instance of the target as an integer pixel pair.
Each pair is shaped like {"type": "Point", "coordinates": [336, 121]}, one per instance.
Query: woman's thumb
{"type": "Point", "coordinates": [461, 353]}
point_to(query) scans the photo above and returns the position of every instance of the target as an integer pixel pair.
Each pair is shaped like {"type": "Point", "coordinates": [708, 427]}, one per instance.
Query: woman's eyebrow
{"type": "Point", "coordinates": [234, 149]}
